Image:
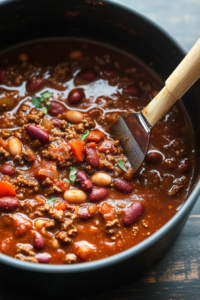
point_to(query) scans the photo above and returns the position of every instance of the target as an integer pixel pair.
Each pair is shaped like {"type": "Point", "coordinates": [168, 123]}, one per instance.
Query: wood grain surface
{"type": "Point", "coordinates": [177, 275]}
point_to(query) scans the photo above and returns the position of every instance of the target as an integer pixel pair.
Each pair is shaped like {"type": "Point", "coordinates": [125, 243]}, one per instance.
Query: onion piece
{"type": "Point", "coordinates": [6, 103]}
{"type": "Point", "coordinates": [47, 124]}
{"type": "Point", "coordinates": [49, 173]}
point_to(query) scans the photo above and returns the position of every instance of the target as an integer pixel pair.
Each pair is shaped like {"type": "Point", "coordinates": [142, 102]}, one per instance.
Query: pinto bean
{"type": "Point", "coordinates": [133, 213]}
{"type": "Point", "coordinates": [75, 196]}
{"type": "Point", "coordinates": [14, 146]}
{"type": "Point", "coordinates": [86, 183]}
{"type": "Point", "coordinates": [7, 169]}
{"type": "Point", "coordinates": [56, 122]}
{"type": "Point", "coordinates": [56, 108]}
{"type": "Point", "coordinates": [35, 83]}
{"type": "Point", "coordinates": [74, 116]}
{"type": "Point", "coordinates": [154, 157]}
{"type": "Point", "coordinates": [92, 157]}
{"type": "Point", "coordinates": [101, 179]}
{"type": "Point", "coordinates": [38, 241]}
{"type": "Point", "coordinates": [8, 204]}
{"type": "Point", "coordinates": [123, 186]}
{"type": "Point", "coordinates": [39, 223]}
{"type": "Point", "coordinates": [43, 258]}
{"type": "Point", "coordinates": [98, 194]}
{"type": "Point", "coordinates": [76, 96]}
{"type": "Point", "coordinates": [37, 133]}
{"type": "Point", "coordinates": [131, 91]}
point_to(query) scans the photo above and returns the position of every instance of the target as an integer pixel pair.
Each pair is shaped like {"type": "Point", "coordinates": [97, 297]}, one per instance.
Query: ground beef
{"type": "Point", "coordinates": [26, 250]}
{"type": "Point", "coordinates": [63, 237]}
{"type": "Point", "coordinates": [28, 155]}
{"type": "Point", "coordinates": [57, 214]}
{"type": "Point", "coordinates": [35, 116]}
{"type": "Point", "coordinates": [177, 185]}
{"type": "Point", "coordinates": [70, 258]}
{"type": "Point", "coordinates": [20, 181]}
{"type": "Point", "coordinates": [26, 258]}
{"type": "Point", "coordinates": [4, 154]}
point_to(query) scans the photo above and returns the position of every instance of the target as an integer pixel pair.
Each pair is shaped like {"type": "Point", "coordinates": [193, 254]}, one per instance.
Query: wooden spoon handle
{"type": "Point", "coordinates": [183, 77]}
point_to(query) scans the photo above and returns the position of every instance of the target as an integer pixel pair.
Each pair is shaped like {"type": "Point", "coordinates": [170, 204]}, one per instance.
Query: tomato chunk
{"type": "Point", "coordinates": [6, 189]}
{"type": "Point", "coordinates": [78, 148]}
{"type": "Point", "coordinates": [95, 136]}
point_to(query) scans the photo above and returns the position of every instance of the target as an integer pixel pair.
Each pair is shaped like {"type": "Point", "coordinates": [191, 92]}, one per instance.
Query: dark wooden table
{"type": "Point", "coordinates": [177, 275]}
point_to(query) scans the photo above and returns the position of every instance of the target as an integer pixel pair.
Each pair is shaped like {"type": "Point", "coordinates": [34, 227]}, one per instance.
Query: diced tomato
{"type": "Point", "coordinates": [78, 148]}
{"type": "Point", "coordinates": [3, 144]}
{"type": "Point", "coordinates": [91, 145]}
{"type": "Point", "coordinates": [63, 206]}
{"type": "Point", "coordinates": [45, 165]}
{"type": "Point", "coordinates": [21, 225]}
{"type": "Point", "coordinates": [6, 189]}
{"type": "Point", "coordinates": [84, 250]}
{"type": "Point", "coordinates": [64, 186]}
{"type": "Point", "coordinates": [95, 136]}
{"type": "Point", "coordinates": [108, 212]}
{"type": "Point", "coordinates": [107, 145]}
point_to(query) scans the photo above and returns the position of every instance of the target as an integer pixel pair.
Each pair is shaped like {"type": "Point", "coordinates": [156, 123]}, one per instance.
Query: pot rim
{"type": "Point", "coordinates": [105, 262]}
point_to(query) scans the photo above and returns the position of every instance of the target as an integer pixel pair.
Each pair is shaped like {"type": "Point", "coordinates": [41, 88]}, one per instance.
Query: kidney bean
{"type": "Point", "coordinates": [86, 183]}
{"type": "Point", "coordinates": [184, 166]}
{"type": "Point", "coordinates": [7, 169]}
{"type": "Point", "coordinates": [123, 186]}
{"type": "Point", "coordinates": [8, 204]}
{"type": "Point", "coordinates": [154, 157]}
{"type": "Point", "coordinates": [88, 75]}
{"type": "Point", "coordinates": [95, 112]}
{"type": "Point", "coordinates": [131, 91]}
{"type": "Point", "coordinates": [76, 96]}
{"type": "Point", "coordinates": [38, 241]}
{"type": "Point", "coordinates": [37, 133]}
{"type": "Point", "coordinates": [109, 71]}
{"type": "Point", "coordinates": [43, 258]}
{"type": "Point", "coordinates": [98, 194]}
{"type": "Point", "coordinates": [56, 108]}
{"type": "Point", "coordinates": [92, 157]}
{"type": "Point", "coordinates": [133, 213]}
{"type": "Point", "coordinates": [2, 75]}
{"type": "Point", "coordinates": [84, 214]}
{"type": "Point", "coordinates": [35, 83]}
{"type": "Point", "coordinates": [56, 122]}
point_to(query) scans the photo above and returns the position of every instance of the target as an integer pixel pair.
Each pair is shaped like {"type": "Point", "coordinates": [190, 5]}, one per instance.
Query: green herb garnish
{"type": "Point", "coordinates": [52, 200]}
{"type": "Point", "coordinates": [37, 102]}
{"type": "Point", "coordinates": [66, 180]}
{"type": "Point", "coordinates": [45, 96]}
{"type": "Point", "coordinates": [83, 136]}
{"type": "Point", "coordinates": [72, 174]}
{"type": "Point", "coordinates": [122, 166]}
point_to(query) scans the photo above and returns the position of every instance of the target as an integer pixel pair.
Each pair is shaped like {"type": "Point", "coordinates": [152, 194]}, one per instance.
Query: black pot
{"type": "Point", "coordinates": [121, 26]}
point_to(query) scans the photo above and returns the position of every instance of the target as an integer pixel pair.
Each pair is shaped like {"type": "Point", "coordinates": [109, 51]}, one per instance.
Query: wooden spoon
{"type": "Point", "coordinates": [134, 129]}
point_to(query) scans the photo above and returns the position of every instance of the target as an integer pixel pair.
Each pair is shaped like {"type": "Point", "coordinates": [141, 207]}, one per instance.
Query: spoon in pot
{"type": "Point", "coordinates": [134, 129]}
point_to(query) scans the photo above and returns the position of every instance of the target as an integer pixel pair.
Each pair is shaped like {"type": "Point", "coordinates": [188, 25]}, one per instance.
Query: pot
{"type": "Point", "coordinates": [118, 25]}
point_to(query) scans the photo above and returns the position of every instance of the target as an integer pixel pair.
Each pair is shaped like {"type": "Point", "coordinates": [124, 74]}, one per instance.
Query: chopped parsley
{"type": "Point", "coordinates": [122, 166]}
{"type": "Point", "coordinates": [83, 136]}
{"type": "Point", "coordinates": [45, 108]}
{"type": "Point", "coordinates": [52, 200]}
{"type": "Point", "coordinates": [72, 174]}
{"type": "Point", "coordinates": [65, 179]}
{"type": "Point", "coordinates": [38, 101]}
